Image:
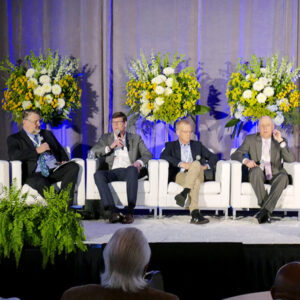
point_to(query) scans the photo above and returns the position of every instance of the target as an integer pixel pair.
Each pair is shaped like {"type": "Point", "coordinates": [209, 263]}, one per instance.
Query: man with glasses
{"type": "Point", "coordinates": [123, 158]}
{"type": "Point", "coordinates": [41, 153]}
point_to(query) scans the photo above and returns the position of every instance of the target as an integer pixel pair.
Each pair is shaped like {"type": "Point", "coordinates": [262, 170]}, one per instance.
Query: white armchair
{"type": "Point", "coordinates": [213, 195]}
{"type": "Point", "coordinates": [147, 196]}
{"type": "Point", "coordinates": [33, 195]}
{"type": "Point", "coordinates": [243, 196]}
{"type": "Point", "coordinates": [4, 175]}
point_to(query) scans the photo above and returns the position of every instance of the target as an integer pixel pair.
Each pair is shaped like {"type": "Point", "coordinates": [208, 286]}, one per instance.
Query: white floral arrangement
{"type": "Point", "coordinates": [256, 90]}
{"type": "Point", "coordinates": [47, 84]}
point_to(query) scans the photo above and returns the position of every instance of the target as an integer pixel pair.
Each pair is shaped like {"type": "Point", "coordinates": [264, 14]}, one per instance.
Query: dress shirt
{"type": "Point", "coordinates": [185, 154]}
{"type": "Point", "coordinates": [265, 157]}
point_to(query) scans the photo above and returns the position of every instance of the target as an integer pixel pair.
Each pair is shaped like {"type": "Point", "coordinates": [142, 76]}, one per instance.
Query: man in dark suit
{"type": "Point", "coordinates": [124, 158]}
{"type": "Point", "coordinates": [190, 163]}
{"type": "Point", "coordinates": [263, 154]}
{"type": "Point", "coordinates": [41, 153]}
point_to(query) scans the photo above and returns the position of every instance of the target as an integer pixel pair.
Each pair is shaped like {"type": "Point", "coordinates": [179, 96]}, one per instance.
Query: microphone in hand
{"type": "Point", "coordinates": [118, 134]}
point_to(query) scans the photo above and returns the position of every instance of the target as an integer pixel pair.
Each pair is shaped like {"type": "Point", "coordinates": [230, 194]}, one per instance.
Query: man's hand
{"type": "Point", "coordinates": [43, 148]}
{"type": "Point", "coordinates": [277, 136]}
{"type": "Point", "coordinates": [138, 165]}
{"type": "Point", "coordinates": [117, 143]}
{"type": "Point", "coordinates": [204, 167]}
{"type": "Point", "coordinates": [250, 163]}
{"type": "Point", "coordinates": [185, 165]}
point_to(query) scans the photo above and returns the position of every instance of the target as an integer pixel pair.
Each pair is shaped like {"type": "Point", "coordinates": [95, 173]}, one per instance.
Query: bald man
{"type": "Point", "coordinates": [287, 282]}
{"type": "Point", "coordinates": [263, 154]}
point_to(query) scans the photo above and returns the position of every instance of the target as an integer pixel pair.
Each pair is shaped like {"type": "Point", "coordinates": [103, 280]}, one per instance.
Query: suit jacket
{"type": "Point", "coordinates": [172, 154]}
{"type": "Point", "coordinates": [252, 146]}
{"type": "Point", "coordinates": [134, 143]}
{"type": "Point", "coordinates": [20, 147]}
{"type": "Point", "coordinates": [97, 292]}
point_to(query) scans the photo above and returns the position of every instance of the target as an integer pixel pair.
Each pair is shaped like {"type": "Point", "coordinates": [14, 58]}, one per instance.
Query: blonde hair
{"type": "Point", "coordinates": [125, 258]}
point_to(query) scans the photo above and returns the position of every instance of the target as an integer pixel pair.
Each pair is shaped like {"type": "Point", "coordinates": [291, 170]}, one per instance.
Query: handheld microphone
{"type": "Point", "coordinates": [118, 134]}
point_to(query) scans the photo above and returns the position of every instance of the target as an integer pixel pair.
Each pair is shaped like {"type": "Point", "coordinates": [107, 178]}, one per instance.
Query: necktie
{"type": "Point", "coordinates": [268, 169]}
{"type": "Point", "coordinates": [42, 161]}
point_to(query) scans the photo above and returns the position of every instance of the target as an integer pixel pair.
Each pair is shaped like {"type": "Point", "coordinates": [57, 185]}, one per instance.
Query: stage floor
{"type": "Point", "coordinates": [178, 229]}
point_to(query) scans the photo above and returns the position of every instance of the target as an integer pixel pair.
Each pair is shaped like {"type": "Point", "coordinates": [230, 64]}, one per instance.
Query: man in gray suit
{"type": "Point", "coordinates": [263, 154]}
{"type": "Point", "coordinates": [124, 158]}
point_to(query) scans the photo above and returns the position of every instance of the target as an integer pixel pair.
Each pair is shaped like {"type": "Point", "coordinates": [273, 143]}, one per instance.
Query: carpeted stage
{"type": "Point", "coordinates": [213, 261]}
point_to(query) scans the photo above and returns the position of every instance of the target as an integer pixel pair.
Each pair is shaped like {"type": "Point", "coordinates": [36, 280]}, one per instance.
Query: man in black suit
{"type": "Point", "coordinates": [41, 153]}
{"type": "Point", "coordinates": [190, 163]}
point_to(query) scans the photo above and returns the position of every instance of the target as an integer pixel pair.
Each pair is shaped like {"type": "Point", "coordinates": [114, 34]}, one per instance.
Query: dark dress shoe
{"type": "Point", "coordinates": [116, 218]}
{"type": "Point", "coordinates": [263, 216]}
{"type": "Point", "coordinates": [128, 219]}
{"type": "Point", "coordinates": [197, 218]}
{"type": "Point", "coordinates": [181, 197]}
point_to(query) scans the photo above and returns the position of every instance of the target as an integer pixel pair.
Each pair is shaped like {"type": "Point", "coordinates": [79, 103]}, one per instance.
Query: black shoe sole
{"type": "Point", "coordinates": [199, 222]}
{"type": "Point", "coordinates": [180, 200]}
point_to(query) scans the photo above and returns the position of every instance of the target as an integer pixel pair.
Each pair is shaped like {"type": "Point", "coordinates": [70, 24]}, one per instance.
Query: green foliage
{"type": "Point", "coordinates": [53, 227]}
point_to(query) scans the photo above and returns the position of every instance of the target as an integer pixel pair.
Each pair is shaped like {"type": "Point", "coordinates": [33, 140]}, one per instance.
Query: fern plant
{"type": "Point", "coordinates": [53, 227]}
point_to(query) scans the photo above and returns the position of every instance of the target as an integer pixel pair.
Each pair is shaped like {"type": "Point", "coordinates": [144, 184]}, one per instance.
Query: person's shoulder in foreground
{"type": "Point", "coordinates": [97, 292]}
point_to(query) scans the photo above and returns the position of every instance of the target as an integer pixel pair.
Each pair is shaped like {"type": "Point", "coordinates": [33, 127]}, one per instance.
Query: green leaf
{"type": "Point", "coordinates": [201, 110]}
{"type": "Point", "coordinates": [232, 122]}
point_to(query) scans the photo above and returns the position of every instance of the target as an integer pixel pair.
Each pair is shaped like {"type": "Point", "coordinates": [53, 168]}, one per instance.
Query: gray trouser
{"type": "Point", "coordinates": [278, 183]}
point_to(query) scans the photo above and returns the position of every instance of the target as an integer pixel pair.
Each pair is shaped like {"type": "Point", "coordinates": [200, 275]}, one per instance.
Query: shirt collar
{"type": "Point", "coordinates": [183, 145]}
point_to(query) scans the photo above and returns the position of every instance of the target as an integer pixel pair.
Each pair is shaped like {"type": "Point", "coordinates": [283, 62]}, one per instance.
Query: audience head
{"type": "Point", "coordinates": [119, 122]}
{"type": "Point", "coordinates": [287, 282]}
{"type": "Point", "coordinates": [184, 131]}
{"type": "Point", "coordinates": [31, 121]}
{"type": "Point", "coordinates": [126, 257]}
{"type": "Point", "coordinates": [266, 127]}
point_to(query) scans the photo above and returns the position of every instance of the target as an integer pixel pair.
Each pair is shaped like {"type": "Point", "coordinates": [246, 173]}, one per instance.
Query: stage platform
{"type": "Point", "coordinates": [218, 260]}
{"type": "Point", "coordinates": [282, 230]}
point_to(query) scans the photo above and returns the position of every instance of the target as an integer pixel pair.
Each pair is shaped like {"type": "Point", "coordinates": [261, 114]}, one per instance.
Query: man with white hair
{"type": "Point", "coordinates": [263, 154]}
{"type": "Point", "coordinates": [126, 257]}
{"type": "Point", "coordinates": [287, 282]}
{"type": "Point", "coordinates": [190, 163]}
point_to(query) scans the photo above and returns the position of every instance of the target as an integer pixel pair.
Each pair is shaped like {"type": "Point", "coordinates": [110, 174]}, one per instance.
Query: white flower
{"type": "Point", "coordinates": [48, 98]}
{"type": "Point", "coordinates": [240, 107]}
{"type": "Point", "coordinates": [263, 70]}
{"type": "Point", "coordinates": [168, 71]}
{"type": "Point", "coordinates": [278, 120]}
{"type": "Point", "coordinates": [37, 104]}
{"type": "Point", "coordinates": [60, 103]}
{"type": "Point", "coordinates": [159, 101]}
{"type": "Point", "coordinates": [150, 118]}
{"type": "Point", "coordinates": [272, 108]}
{"type": "Point", "coordinates": [39, 91]}
{"type": "Point", "coordinates": [169, 82]}
{"type": "Point", "coordinates": [258, 86]}
{"type": "Point", "coordinates": [159, 79]}
{"type": "Point", "coordinates": [56, 89]}
{"type": "Point", "coordinates": [30, 72]}
{"type": "Point", "coordinates": [247, 94]}
{"type": "Point", "coordinates": [269, 91]}
{"type": "Point", "coordinates": [33, 80]}
{"type": "Point", "coordinates": [261, 98]}
{"type": "Point", "coordinates": [263, 80]}
{"type": "Point", "coordinates": [168, 91]}
{"type": "Point", "coordinates": [44, 79]}
{"type": "Point", "coordinates": [144, 109]}
{"type": "Point", "coordinates": [26, 104]}
{"type": "Point", "coordinates": [248, 76]}
{"type": "Point", "coordinates": [43, 71]}
{"type": "Point", "coordinates": [144, 94]}
{"type": "Point", "coordinates": [238, 115]}
{"type": "Point", "coordinates": [159, 90]}
{"type": "Point", "coordinates": [47, 87]}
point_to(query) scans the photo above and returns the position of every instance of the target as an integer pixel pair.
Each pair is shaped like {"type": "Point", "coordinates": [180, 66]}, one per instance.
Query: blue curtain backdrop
{"type": "Point", "coordinates": [106, 34]}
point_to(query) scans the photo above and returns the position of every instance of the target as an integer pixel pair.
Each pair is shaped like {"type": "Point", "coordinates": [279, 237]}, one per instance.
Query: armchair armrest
{"type": "Point", "coordinates": [223, 176]}
{"type": "Point", "coordinates": [91, 168]}
{"type": "Point", "coordinates": [236, 180]}
{"type": "Point", "coordinates": [153, 179]}
{"type": "Point", "coordinates": [4, 174]}
{"type": "Point", "coordinates": [80, 181]}
{"type": "Point", "coordinates": [293, 169]}
{"type": "Point", "coordinates": [163, 178]}
{"type": "Point", "coordinates": [16, 172]}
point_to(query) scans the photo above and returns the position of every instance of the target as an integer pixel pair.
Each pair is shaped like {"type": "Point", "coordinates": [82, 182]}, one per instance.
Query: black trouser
{"type": "Point", "coordinates": [67, 174]}
{"type": "Point", "coordinates": [103, 178]}
{"type": "Point", "coordinates": [278, 183]}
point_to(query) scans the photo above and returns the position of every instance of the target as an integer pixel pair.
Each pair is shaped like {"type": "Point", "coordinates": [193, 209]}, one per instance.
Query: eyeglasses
{"type": "Point", "coordinates": [34, 122]}
{"type": "Point", "coordinates": [117, 122]}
